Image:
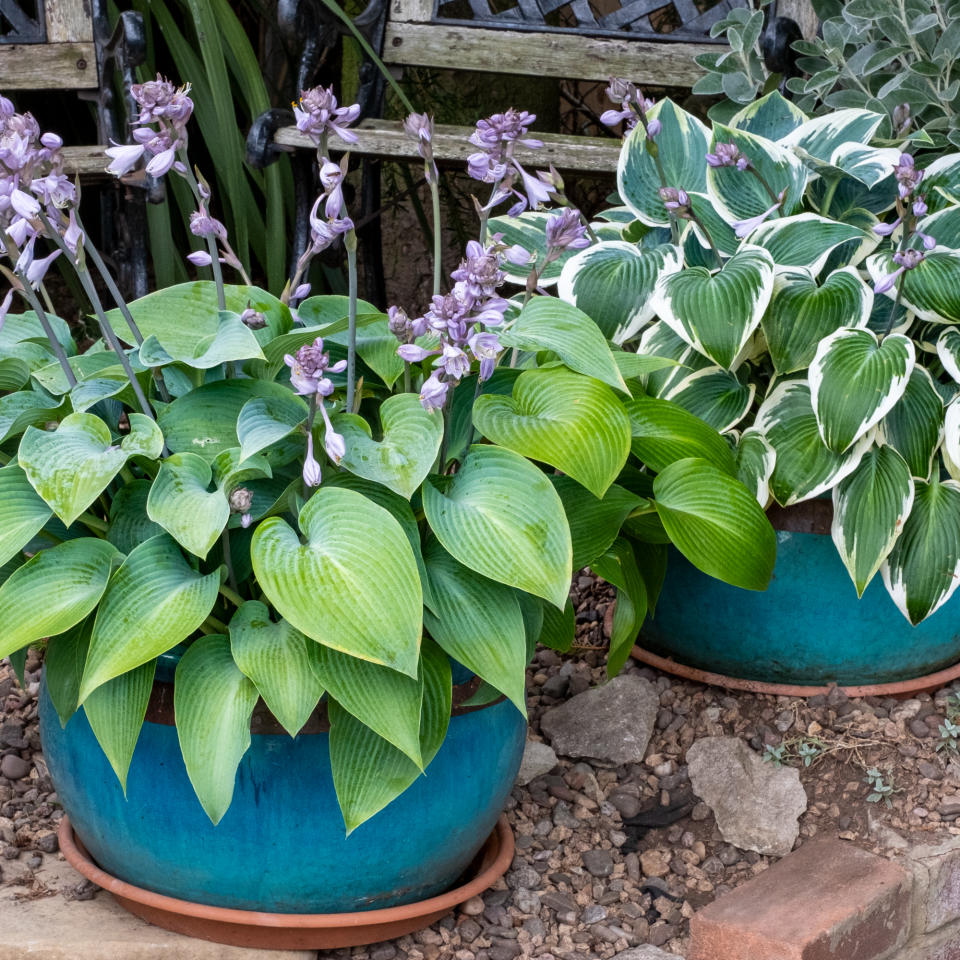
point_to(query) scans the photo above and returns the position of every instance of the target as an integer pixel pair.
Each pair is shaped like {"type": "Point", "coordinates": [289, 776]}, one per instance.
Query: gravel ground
{"type": "Point", "coordinates": [608, 856]}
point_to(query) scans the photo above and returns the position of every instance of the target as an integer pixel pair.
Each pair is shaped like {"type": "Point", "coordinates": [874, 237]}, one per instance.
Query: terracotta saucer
{"type": "Point", "coordinates": [294, 931]}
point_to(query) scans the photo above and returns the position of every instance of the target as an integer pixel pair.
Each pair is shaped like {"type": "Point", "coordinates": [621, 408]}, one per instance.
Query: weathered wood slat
{"type": "Point", "coordinates": [411, 11]}
{"type": "Point", "coordinates": [69, 21]}
{"type": "Point", "coordinates": [48, 66]}
{"type": "Point", "coordinates": [86, 161]}
{"type": "Point", "coordinates": [385, 138]}
{"type": "Point", "coordinates": [544, 54]}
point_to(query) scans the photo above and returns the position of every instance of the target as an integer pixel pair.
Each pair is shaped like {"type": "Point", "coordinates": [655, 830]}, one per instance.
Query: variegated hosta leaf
{"type": "Point", "coordinates": [264, 421]}
{"type": "Point", "coordinates": [738, 194]}
{"type": "Point", "coordinates": [914, 427]}
{"type": "Point", "coordinates": [70, 466]}
{"type": "Point", "coordinates": [805, 467]}
{"type": "Point", "coordinates": [941, 182]}
{"type": "Point", "coordinates": [612, 282]}
{"type": "Point", "coordinates": [923, 569]}
{"type": "Point", "coordinates": [855, 380]}
{"type": "Point", "coordinates": [22, 512]}
{"type": "Point", "coordinates": [231, 340]}
{"type": "Point", "coordinates": [572, 422]}
{"type": "Point", "coordinates": [866, 164]}
{"type": "Point", "coordinates": [714, 395]}
{"type": "Point", "coordinates": [772, 116]}
{"type": "Point", "coordinates": [682, 144]}
{"type": "Point", "coordinates": [931, 289]}
{"type": "Point", "coordinates": [755, 460]}
{"type": "Point", "coordinates": [948, 350]}
{"type": "Point", "coordinates": [806, 240]}
{"type": "Point", "coordinates": [870, 507]}
{"type": "Point", "coordinates": [659, 340]}
{"type": "Point", "coordinates": [821, 136]}
{"type": "Point", "coordinates": [717, 313]}
{"type": "Point", "coordinates": [951, 439]}
{"type": "Point", "coordinates": [801, 314]}
{"type": "Point", "coordinates": [943, 226]}
{"type": "Point", "coordinates": [696, 245]}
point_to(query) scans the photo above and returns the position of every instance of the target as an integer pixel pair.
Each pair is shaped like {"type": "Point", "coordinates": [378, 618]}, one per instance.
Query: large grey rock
{"type": "Point", "coordinates": [538, 759]}
{"type": "Point", "coordinates": [646, 952]}
{"type": "Point", "coordinates": [613, 722]}
{"type": "Point", "coordinates": [756, 804]}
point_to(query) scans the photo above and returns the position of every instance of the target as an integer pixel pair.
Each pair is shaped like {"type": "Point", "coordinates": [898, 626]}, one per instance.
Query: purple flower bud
{"type": "Point", "coordinates": [612, 118]}
{"type": "Point", "coordinates": [919, 207]}
{"type": "Point", "coordinates": [160, 165]}
{"type": "Point", "coordinates": [564, 231]}
{"type": "Point", "coordinates": [240, 500]}
{"type": "Point", "coordinates": [620, 90]}
{"type": "Point", "coordinates": [653, 128]}
{"type": "Point", "coordinates": [254, 319]}
{"type": "Point", "coordinates": [24, 204]}
{"type": "Point", "coordinates": [200, 258]}
{"type": "Point", "coordinates": [928, 242]}
{"type": "Point", "coordinates": [19, 230]}
{"type": "Point", "coordinates": [302, 291]}
{"type": "Point", "coordinates": [311, 468]}
{"type": "Point", "coordinates": [5, 306]}
{"type": "Point", "coordinates": [7, 109]}
{"type": "Point", "coordinates": [907, 175]}
{"type": "Point", "coordinates": [73, 235]}
{"type": "Point", "coordinates": [412, 353]}
{"type": "Point", "coordinates": [676, 201]}
{"type": "Point", "coordinates": [51, 141]}
{"type": "Point", "coordinates": [887, 282]}
{"type": "Point", "coordinates": [203, 225]}
{"type": "Point", "coordinates": [727, 155]}
{"type": "Point", "coordinates": [433, 393]}
{"type": "Point", "coordinates": [333, 442]}
{"type": "Point", "coordinates": [418, 126]}
{"type": "Point", "coordinates": [886, 229]}
{"type": "Point", "coordinates": [518, 255]}
{"type": "Point", "coordinates": [743, 228]}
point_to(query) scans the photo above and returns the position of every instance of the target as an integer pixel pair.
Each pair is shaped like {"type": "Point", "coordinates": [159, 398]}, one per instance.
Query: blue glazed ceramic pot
{"type": "Point", "coordinates": [281, 846]}
{"type": "Point", "coordinates": [808, 627]}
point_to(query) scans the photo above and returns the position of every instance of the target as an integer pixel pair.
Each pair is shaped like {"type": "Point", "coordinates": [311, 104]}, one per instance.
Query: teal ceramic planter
{"type": "Point", "coordinates": [281, 846]}
{"type": "Point", "coordinates": [807, 628]}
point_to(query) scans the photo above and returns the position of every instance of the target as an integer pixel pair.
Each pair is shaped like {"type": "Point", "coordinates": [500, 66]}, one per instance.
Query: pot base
{"type": "Point", "coordinates": [294, 931]}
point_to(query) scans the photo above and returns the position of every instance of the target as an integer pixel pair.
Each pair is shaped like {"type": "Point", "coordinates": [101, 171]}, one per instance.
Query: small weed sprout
{"type": "Point", "coordinates": [775, 755]}
{"type": "Point", "coordinates": [949, 734]}
{"type": "Point", "coordinates": [802, 749]}
{"type": "Point", "coordinates": [879, 789]}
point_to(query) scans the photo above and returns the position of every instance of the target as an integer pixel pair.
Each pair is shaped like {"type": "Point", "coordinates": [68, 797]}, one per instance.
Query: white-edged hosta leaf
{"type": "Point", "coordinates": [755, 460]}
{"type": "Point", "coordinates": [500, 516]}
{"type": "Point", "coordinates": [931, 289]}
{"type": "Point", "coordinates": [155, 600]}
{"type": "Point", "coordinates": [869, 165]}
{"type": "Point", "coordinates": [951, 439]}
{"type": "Point", "coordinates": [546, 323]}
{"type": "Point", "coordinates": [637, 365]}
{"type": "Point", "coordinates": [772, 116]}
{"type": "Point", "coordinates": [855, 380]}
{"type": "Point", "coordinates": [22, 512]}
{"type": "Point", "coordinates": [664, 432]}
{"type": "Point", "coordinates": [801, 314]}
{"type": "Point", "coordinates": [717, 313]}
{"type": "Point", "coordinates": [948, 350]}
{"type": "Point", "coordinates": [264, 421]}
{"type": "Point", "coordinates": [805, 467]}
{"type": "Point", "coordinates": [943, 226]}
{"type": "Point", "coordinates": [368, 772]}
{"type": "Point", "coordinates": [478, 623]}
{"type": "Point", "coordinates": [407, 450]}
{"type": "Point", "coordinates": [353, 585]}
{"type": "Point", "coordinates": [384, 700]}
{"type": "Point", "coordinates": [821, 136]}
{"type": "Point", "coordinates": [870, 507]}
{"type": "Point", "coordinates": [281, 662]}
{"type": "Point", "coordinates": [570, 421]}
{"type": "Point", "coordinates": [230, 340]}
{"type": "Point", "coordinates": [63, 663]}
{"type": "Point", "coordinates": [923, 568]}
{"type": "Point", "coordinates": [941, 182]}
{"type": "Point", "coordinates": [25, 408]}
{"type": "Point", "coordinates": [618, 566]}
{"type": "Point", "coordinates": [659, 340]}
{"type": "Point", "coordinates": [70, 466]}
{"type": "Point", "coordinates": [682, 144]}
{"type": "Point", "coordinates": [53, 591]}
{"type": "Point", "coordinates": [696, 244]}
{"type": "Point", "coordinates": [807, 240]}
{"type": "Point", "coordinates": [716, 523]}
{"type": "Point", "coordinates": [213, 702]}
{"type": "Point", "coordinates": [914, 427]}
{"type": "Point", "coordinates": [714, 395]}
{"type": "Point", "coordinates": [611, 283]}
{"type": "Point", "coordinates": [116, 711]}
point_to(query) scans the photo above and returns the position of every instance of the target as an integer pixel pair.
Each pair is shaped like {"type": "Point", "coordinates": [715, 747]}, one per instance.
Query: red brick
{"type": "Point", "coordinates": [828, 900]}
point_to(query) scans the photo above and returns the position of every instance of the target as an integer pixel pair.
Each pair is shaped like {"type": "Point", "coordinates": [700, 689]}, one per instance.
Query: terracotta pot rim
{"type": "Point", "coordinates": [897, 688]}
{"type": "Point", "coordinates": [491, 863]}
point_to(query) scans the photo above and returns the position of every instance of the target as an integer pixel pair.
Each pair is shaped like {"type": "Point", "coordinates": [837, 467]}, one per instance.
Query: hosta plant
{"type": "Point", "coordinates": [309, 499]}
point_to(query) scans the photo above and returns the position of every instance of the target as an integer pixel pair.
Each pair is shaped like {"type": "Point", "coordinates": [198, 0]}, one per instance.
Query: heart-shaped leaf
{"type": "Point", "coordinates": [22, 512]}
{"type": "Point", "coordinates": [23, 409]}
{"type": "Point", "coordinates": [264, 421]}
{"type": "Point", "coordinates": [129, 523]}
{"type": "Point", "coordinates": [280, 660]}
{"type": "Point", "coordinates": [376, 346]}
{"type": "Point", "coordinates": [931, 289]}
{"type": "Point", "coordinates": [570, 421]}
{"type": "Point", "coordinates": [714, 395]}
{"type": "Point", "coordinates": [231, 340]}
{"type": "Point", "coordinates": [914, 427]}
{"type": "Point", "coordinates": [155, 600]}
{"type": "Point", "coordinates": [806, 240]}
{"type": "Point", "coordinates": [943, 226]}
{"type": "Point", "coordinates": [869, 509]}
{"type": "Point", "coordinates": [353, 585]}
{"type": "Point", "coordinates": [755, 461]}
{"type": "Point", "coordinates": [63, 663]}
{"type": "Point", "coordinates": [801, 314]}
{"type": "Point", "coordinates": [772, 116]}
{"type": "Point", "coordinates": [948, 350]}
{"type": "Point", "coordinates": [820, 136]}
{"type": "Point", "coordinates": [717, 313]}
{"type": "Point", "coordinates": [402, 458]}
{"type": "Point", "coordinates": [500, 516]}
{"type": "Point", "coordinates": [855, 380]}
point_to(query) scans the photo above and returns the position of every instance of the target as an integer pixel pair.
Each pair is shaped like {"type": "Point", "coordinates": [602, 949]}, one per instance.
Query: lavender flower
{"type": "Point", "coordinates": [399, 325]}
{"type": "Point", "coordinates": [254, 319]}
{"type": "Point", "coordinates": [5, 306]}
{"type": "Point", "coordinates": [907, 174]}
{"type": "Point", "coordinates": [908, 260]}
{"type": "Point", "coordinates": [73, 235]}
{"type": "Point", "coordinates": [317, 115]}
{"type": "Point", "coordinates": [200, 258]}
{"type": "Point", "coordinates": [433, 393]}
{"type": "Point", "coordinates": [886, 229]}
{"type": "Point", "coordinates": [308, 367]}
{"type": "Point", "coordinates": [633, 107]}
{"type": "Point", "coordinates": [728, 155]}
{"type": "Point", "coordinates": [677, 202]}
{"type": "Point", "coordinates": [333, 442]}
{"type": "Point", "coordinates": [419, 127]}
{"type": "Point", "coordinates": [565, 231]}
{"type": "Point", "coordinates": [302, 291]}
{"type": "Point", "coordinates": [203, 225]}
{"type": "Point", "coordinates": [743, 228]}
{"type": "Point", "coordinates": [919, 207]}
{"type": "Point", "coordinates": [331, 176]}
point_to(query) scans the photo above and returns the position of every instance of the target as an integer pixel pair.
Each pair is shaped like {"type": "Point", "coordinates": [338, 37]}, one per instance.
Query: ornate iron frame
{"type": "Point", "coordinates": [23, 27]}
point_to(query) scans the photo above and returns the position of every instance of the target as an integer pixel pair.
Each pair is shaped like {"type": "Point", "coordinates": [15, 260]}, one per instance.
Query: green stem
{"type": "Point", "coordinates": [211, 241]}
{"type": "Point", "coordinates": [766, 186]}
{"type": "Point", "coordinates": [350, 242]}
{"type": "Point", "coordinates": [227, 559]}
{"type": "Point", "coordinates": [94, 523]}
{"type": "Point", "coordinates": [698, 222]}
{"type": "Point", "coordinates": [406, 376]}
{"type": "Point", "coordinates": [447, 416]}
{"type": "Point", "coordinates": [828, 196]}
{"type": "Point", "coordinates": [218, 625]}
{"type": "Point", "coordinates": [55, 344]}
{"type": "Point", "coordinates": [437, 237]}
{"type": "Point", "coordinates": [232, 595]}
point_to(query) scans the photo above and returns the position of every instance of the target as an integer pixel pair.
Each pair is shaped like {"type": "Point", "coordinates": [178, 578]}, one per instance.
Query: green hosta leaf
{"type": "Point", "coordinates": [353, 585]}
{"type": "Point", "coordinates": [25, 409]}
{"type": "Point", "coordinates": [682, 143]}
{"type": "Point", "coordinates": [805, 467]}
{"type": "Point", "coordinates": [116, 711]}
{"type": "Point", "coordinates": [618, 566]}
{"type": "Point", "coordinates": [280, 660]}
{"type": "Point", "coordinates": [611, 283]}
{"type": "Point", "coordinates": [129, 523]}
{"type": "Point", "coordinates": [546, 323]}
{"type": "Point", "coordinates": [53, 591]}
{"type": "Point", "coordinates": [855, 380]}
{"type": "Point", "coordinates": [870, 507]}
{"type": "Point", "coordinates": [213, 702]}
{"type": "Point", "coordinates": [714, 395]}
{"type": "Point", "coordinates": [155, 600]}
{"type": "Point", "coordinates": [88, 366]}
{"type": "Point", "coordinates": [737, 194]}
{"type": "Point", "coordinates": [931, 289]}
{"type": "Point", "coordinates": [914, 427]}
{"type": "Point", "coordinates": [22, 512]}
{"type": "Point", "coordinates": [501, 517]}
{"type": "Point", "coordinates": [801, 314]}
{"type": "Point", "coordinates": [70, 466]}
{"type": "Point", "coordinates": [264, 421]}
{"type": "Point", "coordinates": [369, 772]}
{"type": "Point", "coordinates": [408, 448]}
{"type": "Point", "coordinates": [772, 116]}
{"type": "Point", "coordinates": [806, 240]}
{"type": "Point", "coordinates": [23, 327]}
{"type": "Point", "coordinates": [376, 347]}
{"type": "Point", "coordinates": [717, 313]}
{"type": "Point", "coordinates": [231, 340]}
{"type": "Point", "coordinates": [479, 623]}
{"type": "Point", "coordinates": [716, 523]}
{"type": "Point", "coordinates": [664, 432]}
{"type": "Point", "coordinates": [570, 421]}
{"type": "Point", "coordinates": [821, 136]}
{"type": "Point", "coordinates": [755, 461]}
{"type": "Point", "coordinates": [637, 365]}
{"type": "Point", "coordinates": [63, 667]}
{"type": "Point", "coordinates": [923, 569]}
{"type": "Point", "coordinates": [382, 699]}
{"type": "Point", "coordinates": [559, 627]}
{"type": "Point", "coordinates": [948, 350]}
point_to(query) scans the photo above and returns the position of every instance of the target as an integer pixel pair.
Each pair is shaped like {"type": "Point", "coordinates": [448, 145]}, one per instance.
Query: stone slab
{"type": "Point", "coordinates": [53, 928]}
{"type": "Point", "coordinates": [937, 878]}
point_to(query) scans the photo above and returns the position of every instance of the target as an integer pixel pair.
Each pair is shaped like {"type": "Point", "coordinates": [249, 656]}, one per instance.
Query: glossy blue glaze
{"type": "Point", "coordinates": [807, 628]}
{"type": "Point", "coordinates": [281, 845]}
